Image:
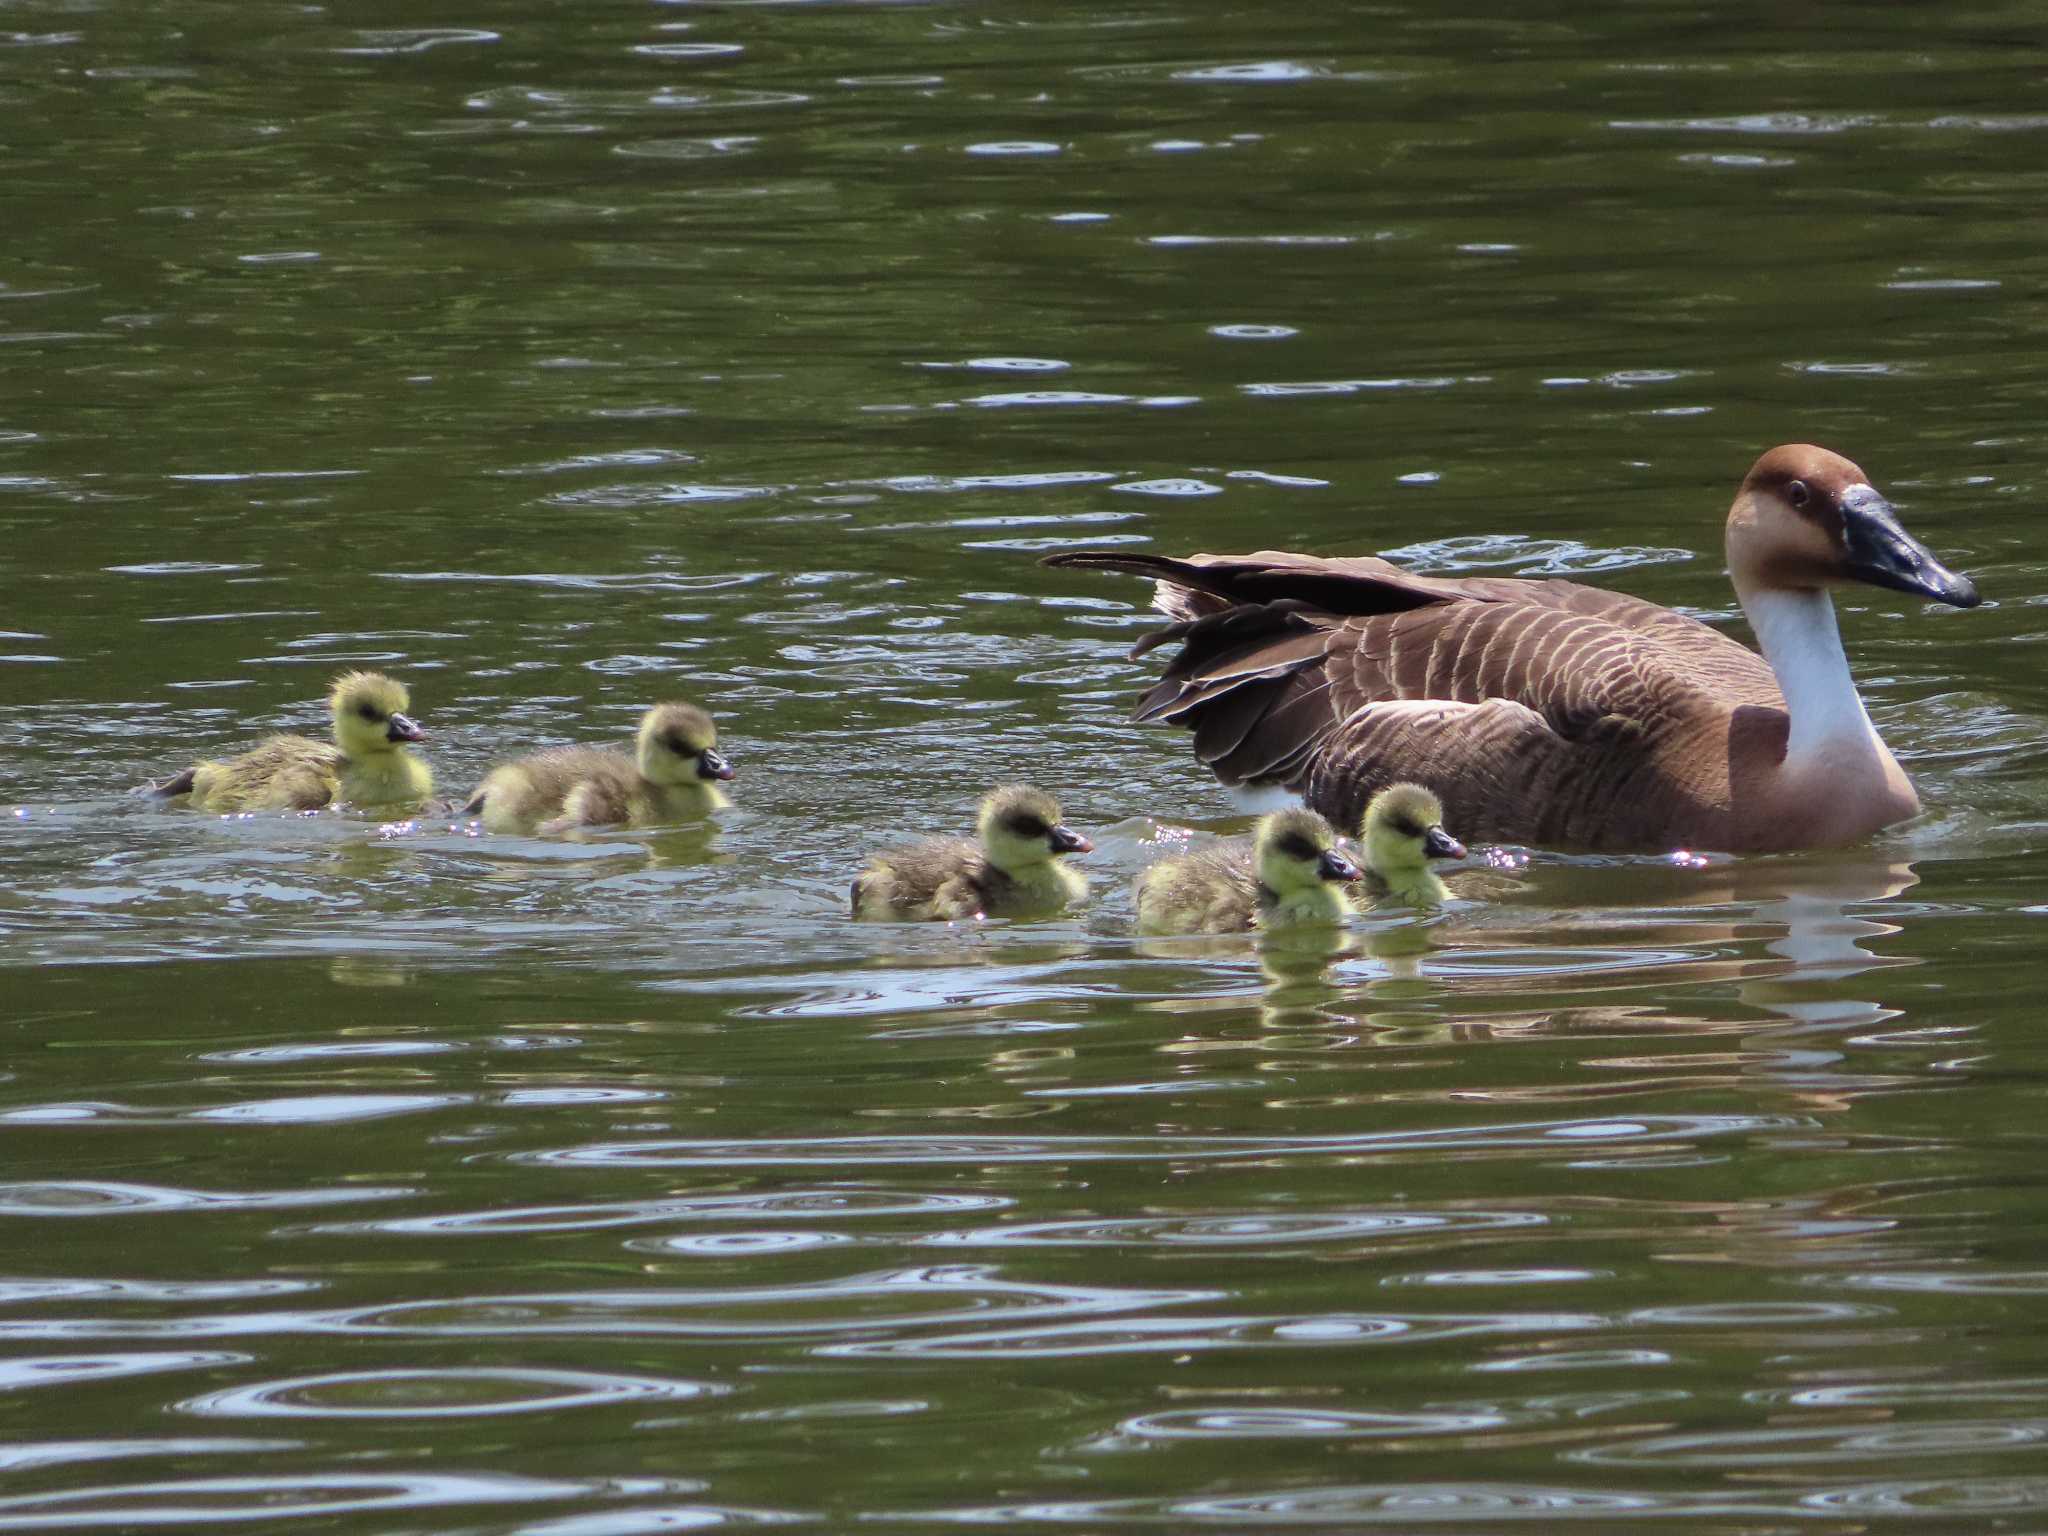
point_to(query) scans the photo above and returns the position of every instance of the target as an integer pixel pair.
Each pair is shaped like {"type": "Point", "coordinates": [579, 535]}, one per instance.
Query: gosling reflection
{"type": "Point", "coordinates": [1310, 978]}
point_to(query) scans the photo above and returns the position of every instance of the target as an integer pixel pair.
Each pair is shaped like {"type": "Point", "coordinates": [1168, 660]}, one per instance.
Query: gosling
{"type": "Point", "coordinates": [673, 775]}
{"type": "Point", "coordinates": [368, 764]}
{"type": "Point", "coordinates": [1290, 872]}
{"type": "Point", "coordinates": [1011, 868]}
{"type": "Point", "coordinates": [1402, 831]}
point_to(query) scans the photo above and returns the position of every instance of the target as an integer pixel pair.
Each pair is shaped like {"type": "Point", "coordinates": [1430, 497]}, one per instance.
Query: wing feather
{"type": "Point", "coordinates": [1536, 709]}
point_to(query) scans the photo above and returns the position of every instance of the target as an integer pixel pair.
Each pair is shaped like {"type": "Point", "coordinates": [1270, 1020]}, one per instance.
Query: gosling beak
{"type": "Point", "coordinates": [1439, 844]}
{"type": "Point", "coordinates": [403, 728]}
{"type": "Point", "coordinates": [711, 766]}
{"type": "Point", "coordinates": [1067, 840]}
{"type": "Point", "coordinates": [1337, 869]}
{"type": "Point", "coordinates": [1883, 554]}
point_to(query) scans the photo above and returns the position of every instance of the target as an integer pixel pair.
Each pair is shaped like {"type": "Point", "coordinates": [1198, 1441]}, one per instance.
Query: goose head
{"type": "Point", "coordinates": [1019, 826]}
{"type": "Point", "coordinates": [678, 744]}
{"type": "Point", "coordinates": [1807, 520]}
{"type": "Point", "coordinates": [1403, 831]}
{"type": "Point", "coordinates": [1297, 851]}
{"type": "Point", "coordinates": [369, 714]}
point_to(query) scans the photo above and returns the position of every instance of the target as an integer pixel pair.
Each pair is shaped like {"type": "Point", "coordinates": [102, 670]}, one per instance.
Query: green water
{"type": "Point", "coordinates": [560, 358]}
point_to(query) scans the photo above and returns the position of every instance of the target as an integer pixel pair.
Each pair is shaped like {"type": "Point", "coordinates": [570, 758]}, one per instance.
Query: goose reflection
{"type": "Point", "coordinates": [1781, 934]}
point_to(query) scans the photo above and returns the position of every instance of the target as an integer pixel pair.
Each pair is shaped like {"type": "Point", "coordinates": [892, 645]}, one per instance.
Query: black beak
{"type": "Point", "coordinates": [1067, 840]}
{"type": "Point", "coordinates": [1439, 844]}
{"type": "Point", "coordinates": [1882, 553]}
{"type": "Point", "coordinates": [403, 728]}
{"type": "Point", "coordinates": [1334, 867]}
{"type": "Point", "coordinates": [711, 766]}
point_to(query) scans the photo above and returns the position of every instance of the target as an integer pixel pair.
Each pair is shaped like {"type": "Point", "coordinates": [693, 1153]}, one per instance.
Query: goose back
{"type": "Point", "coordinates": [1539, 711]}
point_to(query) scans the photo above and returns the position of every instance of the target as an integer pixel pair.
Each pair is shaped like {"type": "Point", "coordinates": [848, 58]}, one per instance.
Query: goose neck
{"type": "Point", "coordinates": [1797, 633]}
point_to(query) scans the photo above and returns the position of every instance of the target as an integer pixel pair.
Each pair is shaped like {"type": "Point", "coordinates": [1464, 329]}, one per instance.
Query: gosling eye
{"type": "Point", "coordinates": [1027, 826]}
{"type": "Point", "coordinates": [1406, 828]}
{"type": "Point", "coordinates": [369, 713]}
{"type": "Point", "coordinates": [675, 745]}
{"type": "Point", "coordinates": [1300, 848]}
{"type": "Point", "coordinates": [1798, 494]}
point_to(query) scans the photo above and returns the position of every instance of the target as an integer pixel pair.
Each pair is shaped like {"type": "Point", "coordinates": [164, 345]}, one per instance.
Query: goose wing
{"type": "Point", "coordinates": [1538, 710]}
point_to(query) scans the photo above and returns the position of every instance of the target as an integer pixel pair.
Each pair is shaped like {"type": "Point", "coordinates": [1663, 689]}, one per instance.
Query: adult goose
{"type": "Point", "coordinates": [1548, 712]}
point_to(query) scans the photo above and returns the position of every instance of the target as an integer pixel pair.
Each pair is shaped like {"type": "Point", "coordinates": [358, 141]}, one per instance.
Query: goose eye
{"type": "Point", "coordinates": [1028, 826]}
{"type": "Point", "coordinates": [368, 712]}
{"type": "Point", "coordinates": [1797, 493]}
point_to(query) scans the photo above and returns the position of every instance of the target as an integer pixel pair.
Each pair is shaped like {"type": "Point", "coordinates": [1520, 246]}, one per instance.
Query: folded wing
{"type": "Point", "coordinates": [1533, 708]}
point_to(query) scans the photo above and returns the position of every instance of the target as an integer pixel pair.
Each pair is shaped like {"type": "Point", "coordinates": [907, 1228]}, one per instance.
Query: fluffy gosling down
{"type": "Point", "coordinates": [368, 764]}
{"type": "Point", "coordinates": [673, 775]}
{"type": "Point", "coordinates": [1289, 872]}
{"type": "Point", "coordinates": [1013, 867]}
{"type": "Point", "coordinates": [1403, 830]}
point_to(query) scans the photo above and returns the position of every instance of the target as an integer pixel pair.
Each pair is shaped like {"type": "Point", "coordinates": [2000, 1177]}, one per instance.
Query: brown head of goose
{"type": "Point", "coordinates": [1549, 712]}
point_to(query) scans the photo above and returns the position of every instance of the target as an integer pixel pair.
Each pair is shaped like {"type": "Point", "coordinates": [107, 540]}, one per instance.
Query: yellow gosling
{"type": "Point", "coordinates": [1012, 867]}
{"type": "Point", "coordinates": [1289, 873]}
{"type": "Point", "coordinates": [1402, 832]}
{"type": "Point", "coordinates": [673, 775]}
{"type": "Point", "coordinates": [367, 765]}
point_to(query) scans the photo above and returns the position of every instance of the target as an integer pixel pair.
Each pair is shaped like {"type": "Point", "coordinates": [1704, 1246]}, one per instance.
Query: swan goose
{"type": "Point", "coordinates": [1011, 868]}
{"type": "Point", "coordinates": [1545, 711]}
{"type": "Point", "coordinates": [1290, 872]}
{"type": "Point", "coordinates": [367, 764]}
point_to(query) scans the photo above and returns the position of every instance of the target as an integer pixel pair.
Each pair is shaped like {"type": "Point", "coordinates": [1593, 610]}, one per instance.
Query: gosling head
{"type": "Point", "coordinates": [1020, 826]}
{"type": "Point", "coordinates": [369, 714]}
{"type": "Point", "coordinates": [1297, 851]}
{"type": "Point", "coordinates": [1404, 830]}
{"type": "Point", "coordinates": [678, 745]}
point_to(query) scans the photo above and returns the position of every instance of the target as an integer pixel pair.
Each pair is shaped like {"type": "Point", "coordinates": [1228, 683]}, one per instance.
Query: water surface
{"type": "Point", "coordinates": [361, 1176]}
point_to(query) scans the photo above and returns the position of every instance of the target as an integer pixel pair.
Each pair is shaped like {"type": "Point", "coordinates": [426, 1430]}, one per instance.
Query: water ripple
{"type": "Point", "coordinates": [1411, 1503]}
{"type": "Point", "coordinates": [1191, 1335]}
{"type": "Point", "coordinates": [885, 1300]}
{"type": "Point", "coordinates": [785, 1205]}
{"type": "Point", "coordinates": [328, 1108]}
{"type": "Point", "coordinates": [234, 1500]}
{"type": "Point", "coordinates": [1261, 1233]}
{"type": "Point", "coordinates": [1792, 1445]}
{"type": "Point", "coordinates": [1528, 556]}
{"type": "Point", "coordinates": [448, 1392]}
{"type": "Point", "coordinates": [1976, 1282]}
{"type": "Point", "coordinates": [25, 1371]}
{"type": "Point", "coordinates": [1907, 1394]}
{"type": "Point", "coordinates": [13, 1289]}
{"type": "Point", "coordinates": [872, 1151]}
{"type": "Point", "coordinates": [1278, 1423]}
{"type": "Point", "coordinates": [92, 1197]}
{"type": "Point", "coordinates": [654, 1521]}
{"type": "Point", "coordinates": [58, 1453]}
